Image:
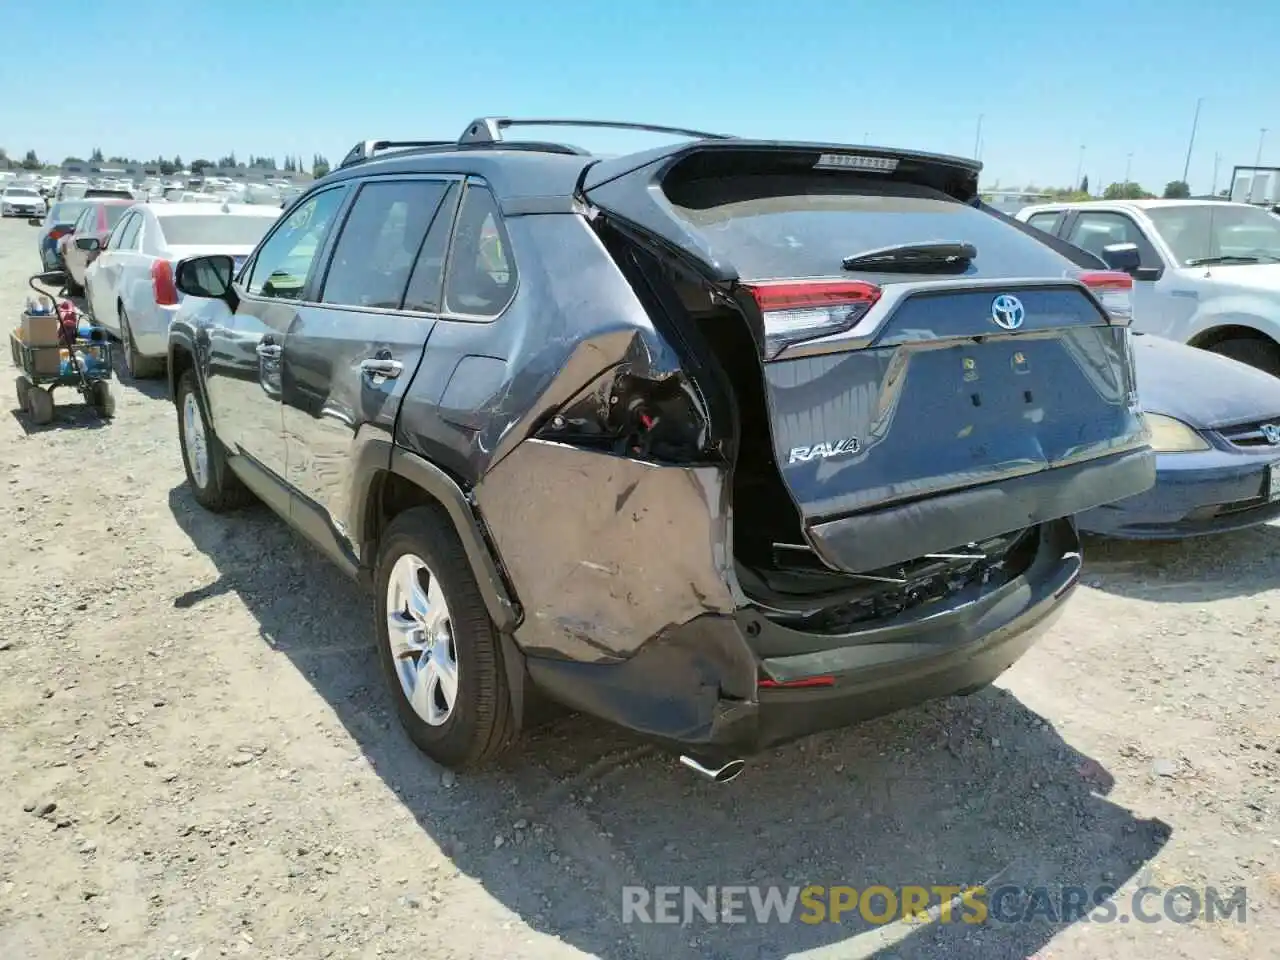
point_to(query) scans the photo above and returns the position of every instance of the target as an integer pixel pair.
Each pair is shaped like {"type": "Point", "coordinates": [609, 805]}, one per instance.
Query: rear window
{"type": "Point", "coordinates": [215, 229]}
{"type": "Point", "coordinates": [115, 213]}
{"type": "Point", "coordinates": [21, 192]}
{"type": "Point", "coordinates": [772, 227]}
{"type": "Point", "coordinates": [66, 212]}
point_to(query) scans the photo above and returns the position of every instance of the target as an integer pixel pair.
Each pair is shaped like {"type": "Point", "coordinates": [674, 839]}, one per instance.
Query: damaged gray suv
{"type": "Point", "coordinates": [726, 442]}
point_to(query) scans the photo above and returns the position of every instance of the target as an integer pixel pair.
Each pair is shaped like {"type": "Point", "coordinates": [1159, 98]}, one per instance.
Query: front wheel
{"type": "Point", "coordinates": [440, 653]}
{"type": "Point", "coordinates": [214, 485]}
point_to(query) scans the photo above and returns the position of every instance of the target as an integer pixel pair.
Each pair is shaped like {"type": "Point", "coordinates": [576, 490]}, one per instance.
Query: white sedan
{"type": "Point", "coordinates": [129, 287]}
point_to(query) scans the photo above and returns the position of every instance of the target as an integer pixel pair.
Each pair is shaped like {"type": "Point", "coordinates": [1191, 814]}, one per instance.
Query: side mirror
{"type": "Point", "coordinates": [1122, 256]}
{"type": "Point", "coordinates": [208, 277]}
{"type": "Point", "coordinates": [35, 221]}
{"type": "Point", "coordinates": [88, 243]}
{"type": "Point", "coordinates": [1148, 273]}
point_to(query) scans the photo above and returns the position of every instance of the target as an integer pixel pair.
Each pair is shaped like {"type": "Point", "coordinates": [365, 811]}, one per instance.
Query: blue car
{"type": "Point", "coordinates": [1215, 426]}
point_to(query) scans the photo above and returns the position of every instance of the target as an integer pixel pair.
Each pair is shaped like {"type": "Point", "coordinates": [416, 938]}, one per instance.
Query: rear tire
{"type": "Point", "coordinates": [40, 405]}
{"type": "Point", "coordinates": [214, 485]}
{"type": "Point", "coordinates": [420, 548]}
{"type": "Point", "coordinates": [1257, 352]}
{"type": "Point", "coordinates": [138, 366]}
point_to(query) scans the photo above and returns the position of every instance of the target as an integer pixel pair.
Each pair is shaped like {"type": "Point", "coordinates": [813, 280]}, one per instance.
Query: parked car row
{"type": "Point", "coordinates": [119, 255]}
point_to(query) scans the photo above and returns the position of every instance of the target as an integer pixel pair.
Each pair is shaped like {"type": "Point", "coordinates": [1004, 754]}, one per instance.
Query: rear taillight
{"type": "Point", "coordinates": [166, 291]}
{"type": "Point", "coordinates": [1114, 291]}
{"type": "Point", "coordinates": [799, 310]}
{"type": "Point", "coordinates": [768, 683]}
{"type": "Point", "coordinates": [57, 232]}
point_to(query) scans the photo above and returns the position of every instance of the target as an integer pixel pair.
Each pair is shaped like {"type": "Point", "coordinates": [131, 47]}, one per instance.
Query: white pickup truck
{"type": "Point", "coordinates": [1206, 272]}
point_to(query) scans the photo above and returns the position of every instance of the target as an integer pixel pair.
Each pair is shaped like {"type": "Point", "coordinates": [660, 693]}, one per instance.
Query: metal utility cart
{"type": "Point", "coordinates": [63, 359]}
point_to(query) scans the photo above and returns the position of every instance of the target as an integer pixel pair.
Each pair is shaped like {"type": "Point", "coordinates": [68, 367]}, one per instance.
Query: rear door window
{"type": "Point", "coordinates": [427, 281]}
{"type": "Point", "coordinates": [379, 242]}
{"type": "Point", "coordinates": [1048, 222]}
{"type": "Point", "coordinates": [780, 226]}
{"type": "Point", "coordinates": [129, 232]}
{"type": "Point", "coordinates": [480, 279]}
{"type": "Point", "coordinates": [1096, 229]}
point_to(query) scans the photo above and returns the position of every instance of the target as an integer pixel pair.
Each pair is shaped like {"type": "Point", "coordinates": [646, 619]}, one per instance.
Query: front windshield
{"type": "Point", "coordinates": [1198, 232]}
{"type": "Point", "coordinates": [21, 192]}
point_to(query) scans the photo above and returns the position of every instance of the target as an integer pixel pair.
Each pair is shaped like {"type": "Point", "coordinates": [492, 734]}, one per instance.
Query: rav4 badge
{"type": "Point", "coordinates": [826, 450]}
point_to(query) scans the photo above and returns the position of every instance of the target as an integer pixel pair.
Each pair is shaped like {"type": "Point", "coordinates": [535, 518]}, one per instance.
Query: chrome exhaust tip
{"type": "Point", "coordinates": [716, 774]}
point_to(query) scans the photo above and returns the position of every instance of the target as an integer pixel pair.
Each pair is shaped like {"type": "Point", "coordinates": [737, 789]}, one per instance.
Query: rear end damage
{"type": "Point", "coordinates": [851, 491]}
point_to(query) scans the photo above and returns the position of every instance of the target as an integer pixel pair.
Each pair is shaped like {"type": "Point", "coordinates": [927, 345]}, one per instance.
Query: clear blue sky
{"type": "Point", "coordinates": [280, 76]}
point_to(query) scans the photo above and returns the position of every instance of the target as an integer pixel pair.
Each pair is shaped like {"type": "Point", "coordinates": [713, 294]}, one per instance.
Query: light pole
{"type": "Point", "coordinates": [1186, 167]}
{"type": "Point", "coordinates": [1128, 165]}
{"type": "Point", "coordinates": [1213, 191]}
{"type": "Point", "coordinates": [977, 137]}
{"type": "Point", "coordinates": [1257, 162]}
{"type": "Point", "coordinates": [1080, 167]}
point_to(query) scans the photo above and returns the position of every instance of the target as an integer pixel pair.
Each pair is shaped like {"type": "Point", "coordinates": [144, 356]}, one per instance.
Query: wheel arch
{"type": "Point", "coordinates": [1229, 329]}
{"type": "Point", "coordinates": [390, 480]}
{"type": "Point", "coordinates": [181, 359]}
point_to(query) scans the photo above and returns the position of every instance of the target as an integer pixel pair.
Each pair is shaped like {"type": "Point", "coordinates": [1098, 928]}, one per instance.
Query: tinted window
{"type": "Point", "coordinates": [428, 273]}
{"type": "Point", "coordinates": [1048, 222]}
{"type": "Point", "coordinates": [128, 233]}
{"type": "Point", "coordinates": [23, 192]}
{"type": "Point", "coordinates": [379, 242]}
{"type": "Point", "coordinates": [1096, 229]}
{"type": "Point", "coordinates": [66, 212]}
{"type": "Point", "coordinates": [773, 226]}
{"type": "Point", "coordinates": [88, 220]}
{"type": "Point", "coordinates": [481, 275]}
{"type": "Point", "coordinates": [284, 261]}
{"type": "Point", "coordinates": [215, 229]}
{"type": "Point", "coordinates": [1217, 230]}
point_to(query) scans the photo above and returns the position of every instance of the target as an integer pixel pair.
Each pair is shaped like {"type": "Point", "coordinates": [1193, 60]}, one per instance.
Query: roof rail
{"type": "Point", "coordinates": [365, 149]}
{"type": "Point", "coordinates": [488, 130]}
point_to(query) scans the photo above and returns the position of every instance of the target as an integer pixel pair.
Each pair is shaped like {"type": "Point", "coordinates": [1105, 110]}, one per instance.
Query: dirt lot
{"type": "Point", "coordinates": [199, 698]}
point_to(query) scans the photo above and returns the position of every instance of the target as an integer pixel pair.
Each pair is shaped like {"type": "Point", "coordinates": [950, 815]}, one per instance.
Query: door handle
{"type": "Point", "coordinates": [381, 367]}
{"type": "Point", "coordinates": [268, 351]}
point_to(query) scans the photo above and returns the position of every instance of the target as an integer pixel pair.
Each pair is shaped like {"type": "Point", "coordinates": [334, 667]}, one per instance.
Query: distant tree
{"type": "Point", "coordinates": [199, 165]}
{"type": "Point", "coordinates": [1031, 188]}
{"type": "Point", "coordinates": [1066, 194]}
{"type": "Point", "coordinates": [71, 160]}
{"type": "Point", "coordinates": [31, 161]}
{"type": "Point", "coordinates": [5, 162]}
{"type": "Point", "coordinates": [1084, 184]}
{"type": "Point", "coordinates": [229, 160]}
{"type": "Point", "coordinates": [1177, 190]}
{"type": "Point", "coordinates": [96, 156]}
{"type": "Point", "coordinates": [319, 166]}
{"type": "Point", "coordinates": [1124, 191]}
{"type": "Point", "coordinates": [263, 163]}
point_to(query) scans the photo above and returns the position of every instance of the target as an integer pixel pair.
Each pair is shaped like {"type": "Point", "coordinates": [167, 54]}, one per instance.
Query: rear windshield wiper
{"type": "Point", "coordinates": [1228, 258]}
{"type": "Point", "coordinates": [929, 255]}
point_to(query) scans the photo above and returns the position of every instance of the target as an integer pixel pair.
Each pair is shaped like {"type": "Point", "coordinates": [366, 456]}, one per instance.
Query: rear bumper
{"type": "Point", "coordinates": [150, 327]}
{"type": "Point", "coordinates": [684, 688]}
{"type": "Point", "coordinates": [1195, 494]}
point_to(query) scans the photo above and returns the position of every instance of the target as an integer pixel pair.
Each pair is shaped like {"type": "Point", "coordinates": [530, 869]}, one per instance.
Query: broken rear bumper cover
{"type": "Point", "coordinates": [694, 687]}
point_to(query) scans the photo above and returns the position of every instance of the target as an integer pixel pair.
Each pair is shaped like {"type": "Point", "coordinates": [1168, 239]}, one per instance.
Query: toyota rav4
{"type": "Point", "coordinates": [725, 442]}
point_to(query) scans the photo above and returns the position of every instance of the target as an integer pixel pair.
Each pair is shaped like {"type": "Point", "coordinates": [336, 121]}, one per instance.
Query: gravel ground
{"type": "Point", "coordinates": [197, 758]}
